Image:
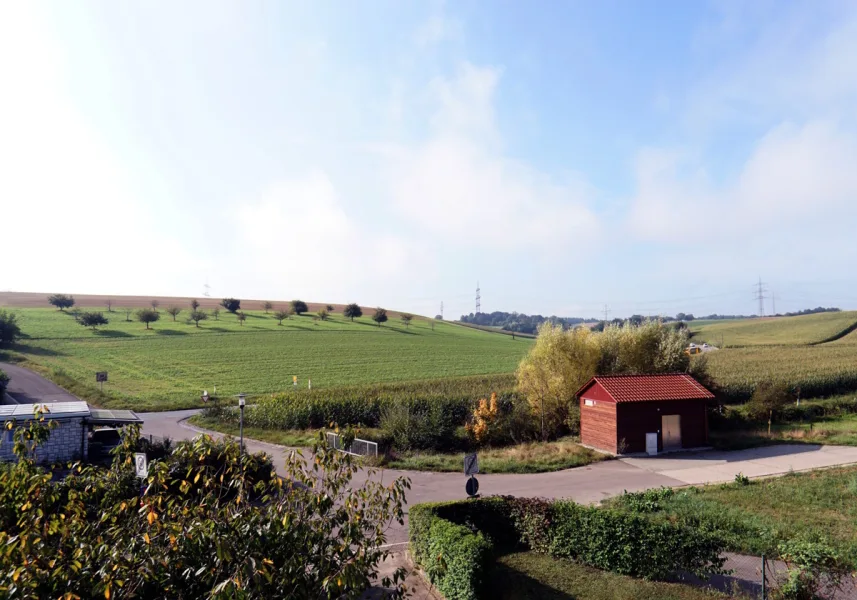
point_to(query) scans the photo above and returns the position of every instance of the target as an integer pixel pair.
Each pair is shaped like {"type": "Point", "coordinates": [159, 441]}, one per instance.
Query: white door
{"type": "Point", "coordinates": [671, 431]}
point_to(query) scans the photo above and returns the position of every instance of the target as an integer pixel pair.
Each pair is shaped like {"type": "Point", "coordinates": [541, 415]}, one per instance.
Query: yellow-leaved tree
{"type": "Point", "coordinates": [557, 365]}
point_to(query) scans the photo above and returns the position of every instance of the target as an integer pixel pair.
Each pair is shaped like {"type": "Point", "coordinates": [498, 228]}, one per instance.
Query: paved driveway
{"type": "Point", "coordinates": [27, 387]}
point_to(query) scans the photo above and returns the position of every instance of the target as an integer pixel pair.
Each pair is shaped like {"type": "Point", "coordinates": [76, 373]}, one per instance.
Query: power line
{"type": "Point", "coordinates": [478, 300]}
{"type": "Point", "coordinates": [760, 296]}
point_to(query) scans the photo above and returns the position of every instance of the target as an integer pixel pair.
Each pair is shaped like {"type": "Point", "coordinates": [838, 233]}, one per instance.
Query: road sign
{"type": "Point", "coordinates": [471, 464]}
{"type": "Point", "coordinates": [141, 465]}
{"type": "Point", "coordinates": [101, 376]}
{"type": "Point", "coordinates": [472, 486]}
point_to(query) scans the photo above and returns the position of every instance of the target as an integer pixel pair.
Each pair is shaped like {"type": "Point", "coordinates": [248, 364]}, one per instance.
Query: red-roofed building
{"type": "Point", "coordinates": [618, 412]}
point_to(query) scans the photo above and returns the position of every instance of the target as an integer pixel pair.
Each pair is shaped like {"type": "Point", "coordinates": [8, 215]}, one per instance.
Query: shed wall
{"type": "Point", "coordinates": [635, 419]}
{"type": "Point", "coordinates": [598, 423]}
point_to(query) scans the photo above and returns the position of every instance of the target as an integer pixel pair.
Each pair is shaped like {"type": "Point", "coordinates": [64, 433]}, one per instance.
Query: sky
{"type": "Point", "coordinates": [570, 157]}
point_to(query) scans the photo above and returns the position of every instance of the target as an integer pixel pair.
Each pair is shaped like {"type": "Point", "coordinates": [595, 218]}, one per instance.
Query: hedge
{"type": "Point", "coordinates": [455, 558]}
{"type": "Point", "coordinates": [457, 542]}
{"type": "Point", "coordinates": [736, 417]}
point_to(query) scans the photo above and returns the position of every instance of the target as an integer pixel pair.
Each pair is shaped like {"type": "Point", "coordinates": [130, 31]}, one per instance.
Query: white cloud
{"type": "Point", "coordinates": [460, 185]}
{"type": "Point", "coordinates": [438, 28]}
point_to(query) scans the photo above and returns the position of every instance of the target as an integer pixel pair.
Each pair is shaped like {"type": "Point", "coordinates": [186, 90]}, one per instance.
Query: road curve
{"type": "Point", "coordinates": [27, 387]}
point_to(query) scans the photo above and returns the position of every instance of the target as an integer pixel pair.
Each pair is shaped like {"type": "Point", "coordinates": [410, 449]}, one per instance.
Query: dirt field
{"type": "Point", "coordinates": [40, 300]}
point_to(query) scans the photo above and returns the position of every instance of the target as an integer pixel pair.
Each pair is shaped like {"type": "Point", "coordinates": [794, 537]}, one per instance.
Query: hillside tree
{"type": "Point", "coordinates": [173, 311]}
{"type": "Point", "coordinates": [148, 315]}
{"type": "Point", "coordinates": [194, 304]}
{"type": "Point", "coordinates": [109, 303]}
{"type": "Point", "coordinates": [380, 316]}
{"type": "Point", "coordinates": [353, 310]}
{"type": "Point", "coordinates": [10, 331]}
{"type": "Point", "coordinates": [216, 313]}
{"type": "Point", "coordinates": [155, 304]}
{"type": "Point", "coordinates": [322, 314]}
{"type": "Point", "coordinates": [406, 319]}
{"type": "Point", "coordinates": [330, 308]}
{"type": "Point", "coordinates": [267, 306]}
{"type": "Point", "coordinates": [768, 399]}
{"type": "Point", "coordinates": [197, 315]}
{"type": "Point", "coordinates": [299, 306]}
{"type": "Point", "coordinates": [92, 319]}
{"type": "Point", "coordinates": [233, 305]}
{"type": "Point", "coordinates": [61, 301]}
{"type": "Point", "coordinates": [281, 315]}
{"type": "Point", "coordinates": [241, 317]}
{"type": "Point", "coordinates": [128, 311]}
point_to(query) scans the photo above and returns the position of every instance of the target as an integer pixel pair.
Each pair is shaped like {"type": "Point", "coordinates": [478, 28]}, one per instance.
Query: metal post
{"type": "Point", "coordinates": [764, 579]}
{"type": "Point", "coordinates": [241, 407]}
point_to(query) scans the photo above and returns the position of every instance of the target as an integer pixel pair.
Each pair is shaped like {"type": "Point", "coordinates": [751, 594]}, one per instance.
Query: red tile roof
{"type": "Point", "coordinates": [640, 388]}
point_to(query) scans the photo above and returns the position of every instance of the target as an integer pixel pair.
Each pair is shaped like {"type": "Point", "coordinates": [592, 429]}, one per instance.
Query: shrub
{"type": "Point", "coordinates": [241, 317]}
{"type": "Point", "coordinates": [485, 421]}
{"type": "Point", "coordinates": [281, 315]}
{"type": "Point", "coordinates": [4, 383]}
{"type": "Point", "coordinates": [61, 301]}
{"type": "Point", "coordinates": [148, 315]}
{"type": "Point", "coordinates": [415, 425]}
{"type": "Point", "coordinates": [173, 311]}
{"type": "Point", "coordinates": [322, 314]}
{"type": "Point", "coordinates": [455, 559]}
{"type": "Point", "coordinates": [230, 304]}
{"type": "Point", "coordinates": [813, 567]}
{"type": "Point", "coordinates": [197, 315]}
{"type": "Point", "coordinates": [768, 400]}
{"type": "Point", "coordinates": [9, 329]}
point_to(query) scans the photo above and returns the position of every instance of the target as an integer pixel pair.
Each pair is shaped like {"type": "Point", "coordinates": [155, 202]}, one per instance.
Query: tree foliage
{"type": "Point", "coordinates": [61, 301]}
{"type": "Point", "coordinates": [241, 317]}
{"type": "Point", "coordinates": [197, 315]}
{"type": "Point", "coordinates": [148, 315]}
{"type": "Point", "coordinates": [353, 311]}
{"type": "Point", "coordinates": [208, 522]}
{"type": "Point", "coordinates": [194, 304]}
{"type": "Point", "coordinates": [281, 315]}
{"type": "Point", "coordinates": [92, 319]}
{"type": "Point", "coordinates": [10, 331]}
{"type": "Point", "coordinates": [109, 304]}
{"type": "Point", "coordinates": [155, 304]}
{"type": "Point", "coordinates": [231, 304]}
{"type": "Point", "coordinates": [330, 308]}
{"type": "Point", "coordinates": [267, 306]}
{"type": "Point", "coordinates": [216, 313]}
{"type": "Point", "coordinates": [299, 306]}
{"type": "Point", "coordinates": [767, 401]}
{"type": "Point", "coordinates": [407, 318]}
{"type": "Point", "coordinates": [380, 316]}
{"type": "Point", "coordinates": [322, 314]}
{"type": "Point", "coordinates": [173, 311]}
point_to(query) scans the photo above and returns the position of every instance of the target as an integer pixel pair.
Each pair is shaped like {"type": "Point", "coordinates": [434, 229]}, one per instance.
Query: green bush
{"type": "Point", "coordinates": [455, 559]}
{"type": "Point", "coordinates": [10, 331]}
{"type": "Point", "coordinates": [631, 544]}
{"type": "Point", "coordinates": [813, 566]}
{"type": "Point", "coordinates": [4, 383]}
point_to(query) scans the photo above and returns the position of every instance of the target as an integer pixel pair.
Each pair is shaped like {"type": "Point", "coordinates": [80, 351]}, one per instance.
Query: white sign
{"type": "Point", "coordinates": [141, 465]}
{"type": "Point", "coordinates": [651, 444]}
{"type": "Point", "coordinates": [471, 464]}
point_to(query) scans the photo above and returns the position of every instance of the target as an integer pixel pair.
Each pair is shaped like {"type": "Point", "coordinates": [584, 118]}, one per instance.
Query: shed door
{"type": "Point", "coordinates": [671, 431]}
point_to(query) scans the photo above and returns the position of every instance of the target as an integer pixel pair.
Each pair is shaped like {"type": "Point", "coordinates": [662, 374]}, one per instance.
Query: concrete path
{"type": "Point", "coordinates": [27, 387]}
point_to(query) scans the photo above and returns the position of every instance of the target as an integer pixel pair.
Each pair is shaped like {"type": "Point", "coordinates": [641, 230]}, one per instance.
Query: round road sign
{"type": "Point", "coordinates": [472, 486]}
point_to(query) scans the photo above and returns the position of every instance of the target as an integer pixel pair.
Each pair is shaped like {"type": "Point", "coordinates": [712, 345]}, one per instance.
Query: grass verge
{"type": "Point", "coordinates": [838, 430]}
{"type": "Point", "coordinates": [754, 517]}
{"type": "Point", "coordinates": [529, 575]}
{"type": "Point", "coordinates": [525, 458]}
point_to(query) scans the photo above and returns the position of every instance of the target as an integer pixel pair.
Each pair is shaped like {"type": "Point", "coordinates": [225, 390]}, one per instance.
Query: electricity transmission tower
{"type": "Point", "coordinates": [441, 310]}
{"type": "Point", "coordinates": [207, 288]}
{"type": "Point", "coordinates": [760, 296]}
{"type": "Point", "coordinates": [478, 300]}
{"type": "Point", "coordinates": [606, 312]}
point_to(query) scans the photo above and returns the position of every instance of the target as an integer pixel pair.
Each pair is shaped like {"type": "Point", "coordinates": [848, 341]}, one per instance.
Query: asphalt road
{"type": "Point", "coordinates": [26, 387]}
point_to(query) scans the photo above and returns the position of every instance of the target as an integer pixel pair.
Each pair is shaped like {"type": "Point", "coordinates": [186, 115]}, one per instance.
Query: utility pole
{"type": "Point", "coordinates": [606, 312]}
{"type": "Point", "coordinates": [441, 310]}
{"type": "Point", "coordinates": [760, 296]}
{"type": "Point", "coordinates": [478, 300]}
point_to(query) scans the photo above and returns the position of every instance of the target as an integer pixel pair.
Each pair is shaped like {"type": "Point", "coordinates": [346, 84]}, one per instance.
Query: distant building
{"type": "Point", "coordinates": [618, 413]}
{"type": "Point", "coordinates": [69, 440]}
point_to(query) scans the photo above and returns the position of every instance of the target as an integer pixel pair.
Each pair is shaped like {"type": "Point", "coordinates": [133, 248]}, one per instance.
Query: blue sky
{"type": "Point", "coordinates": [653, 157]}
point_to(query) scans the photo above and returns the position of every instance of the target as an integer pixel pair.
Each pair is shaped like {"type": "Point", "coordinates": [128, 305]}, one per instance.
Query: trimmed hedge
{"type": "Point", "coordinates": [457, 542]}
{"type": "Point", "coordinates": [455, 558]}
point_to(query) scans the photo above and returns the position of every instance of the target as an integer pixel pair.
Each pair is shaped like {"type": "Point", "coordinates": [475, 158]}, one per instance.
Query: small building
{"type": "Point", "coordinates": [620, 413]}
{"type": "Point", "coordinates": [69, 440]}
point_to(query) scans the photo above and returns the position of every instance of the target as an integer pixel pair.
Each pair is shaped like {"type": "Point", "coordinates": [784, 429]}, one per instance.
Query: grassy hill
{"type": "Point", "coordinates": [808, 329]}
{"type": "Point", "coordinates": [168, 366]}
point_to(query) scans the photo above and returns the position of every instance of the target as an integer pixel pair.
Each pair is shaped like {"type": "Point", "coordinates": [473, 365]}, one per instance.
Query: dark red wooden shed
{"type": "Point", "coordinates": [618, 411]}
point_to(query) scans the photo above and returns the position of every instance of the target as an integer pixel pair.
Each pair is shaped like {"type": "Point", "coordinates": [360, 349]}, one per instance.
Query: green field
{"type": "Point", "coordinates": [169, 365]}
{"type": "Point", "coordinates": [809, 329]}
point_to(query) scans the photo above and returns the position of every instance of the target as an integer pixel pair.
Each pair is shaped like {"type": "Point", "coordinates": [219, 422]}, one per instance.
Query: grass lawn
{"type": "Point", "coordinates": [527, 575]}
{"type": "Point", "coordinates": [524, 458]}
{"type": "Point", "coordinates": [839, 430]}
{"type": "Point", "coordinates": [168, 366]}
{"type": "Point", "coordinates": [807, 329]}
{"type": "Point", "coordinates": [755, 517]}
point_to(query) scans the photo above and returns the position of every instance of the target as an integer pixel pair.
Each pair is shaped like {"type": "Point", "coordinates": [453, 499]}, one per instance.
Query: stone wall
{"type": "Point", "coordinates": [66, 442]}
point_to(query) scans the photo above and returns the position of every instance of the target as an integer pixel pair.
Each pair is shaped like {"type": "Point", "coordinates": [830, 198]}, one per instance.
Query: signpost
{"type": "Point", "coordinates": [141, 465]}
{"type": "Point", "coordinates": [471, 468]}
{"type": "Point", "coordinates": [101, 377]}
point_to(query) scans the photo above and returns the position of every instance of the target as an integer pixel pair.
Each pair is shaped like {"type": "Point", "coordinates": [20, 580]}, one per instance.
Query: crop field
{"type": "Point", "coordinates": [809, 329]}
{"type": "Point", "coordinates": [822, 370]}
{"type": "Point", "coordinates": [168, 366]}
